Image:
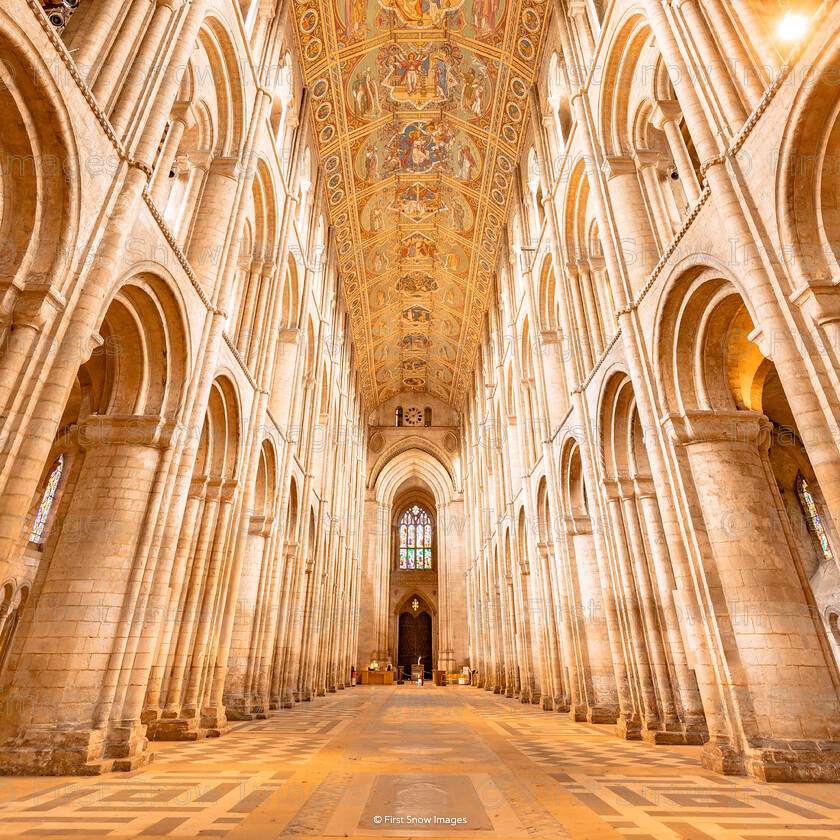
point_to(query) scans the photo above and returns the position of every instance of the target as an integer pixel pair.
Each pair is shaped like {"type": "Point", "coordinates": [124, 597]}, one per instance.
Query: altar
{"type": "Point", "coordinates": [377, 677]}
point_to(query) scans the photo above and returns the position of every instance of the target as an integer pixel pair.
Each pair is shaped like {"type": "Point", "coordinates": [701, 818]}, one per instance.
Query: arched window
{"type": "Point", "coordinates": [37, 534]}
{"type": "Point", "coordinates": [415, 539]}
{"type": "Point", "coordinates": [812, 516]}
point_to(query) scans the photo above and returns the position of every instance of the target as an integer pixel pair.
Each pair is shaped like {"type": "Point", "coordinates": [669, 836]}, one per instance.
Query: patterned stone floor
{"type": "Point", "coordinates": [406, 761]}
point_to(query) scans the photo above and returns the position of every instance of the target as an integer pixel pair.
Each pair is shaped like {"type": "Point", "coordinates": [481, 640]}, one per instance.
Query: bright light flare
{"type": "Point", "coordinates": [792, 26]}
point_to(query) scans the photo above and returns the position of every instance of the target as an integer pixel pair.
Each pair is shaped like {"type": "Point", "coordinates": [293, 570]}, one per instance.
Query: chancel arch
{"type": "Point", "coordinates": [415, 483]}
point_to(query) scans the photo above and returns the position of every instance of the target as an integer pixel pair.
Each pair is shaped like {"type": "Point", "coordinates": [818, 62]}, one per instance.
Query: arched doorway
{"type": "Point", "coordinates": [415, 636]}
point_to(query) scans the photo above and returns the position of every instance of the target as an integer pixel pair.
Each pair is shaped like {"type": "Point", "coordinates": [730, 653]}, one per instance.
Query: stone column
{"type": "Point", "coordinates": [174, 729]}
{"type": "Point", "coordinates": [639, 249]}
{"type": "Point", "coordinates": [104, 86]}
{"type": "Point", "coordinates": [281, 692]}
{"type": "Point", "coordinates": [694, 722]}
{"type": "Point", "coordinates": [21, 343]}
{"type": "Point", "coordinates": [583, 346]}
{"type": "Point", "coordinates": [746, 76]}
{"type": "Point", "coordinates": [571, 699]}
{"type": "Point", "coordinates": [784, 707]}
{"type": "Point", "coordinates": [592, 317]}
{"type": "Point", "coordinates": [198, 164]}
{"type": "Point", "coordinates": [647, 163]}
{"type": "Point", "coordinates": [88, 30]}
{"type": "Point", "coordinates": [250, 293]}
{"type": "Point", "coordinates": [68, 632]}
{"type": "Point", "coordinates": [758, 36]}
{"type": "Point", "coordinates": [142, 65]}
{"type": "Point", "coordinates": [203, 650]}
{"type": "Point", "coordinates": [648, 605]}
{"type": "Point", "coordinates": [597, 698]}
{"type": "Point", "coordinates": [640, 664]}
{"type": "Point", "coordinates": [207, 242]}
{"type": "Point", "coordinates": [602, 286]}
{"type": "Point", "coordinates": [246, 621]}
{"type": "Point", "coordinates": [259, 336]}
{"type": "Point", "coordinates": [555, 685]}
{"type": "Point", "coordinates": [160, 179]}
{"type": "Point", "coordinates": [174, 617]}
{"type": "Point", "coordinates": [666, 117]}
{"type": "Point", "coordinates": [719, 77]}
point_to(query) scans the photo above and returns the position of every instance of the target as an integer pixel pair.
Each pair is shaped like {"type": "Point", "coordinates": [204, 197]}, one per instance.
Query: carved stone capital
{"type": "Point", "coordinates": [734, 427]}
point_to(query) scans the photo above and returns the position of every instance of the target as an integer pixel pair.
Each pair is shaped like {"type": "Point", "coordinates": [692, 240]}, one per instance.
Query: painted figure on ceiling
{"type": "Point", "coordinates": [417, 315]}
{"type": "Point", "coordinates": [421, 12]}
{"type": "Point", "coordinates": [441, 82]}
{"type": "Point", "coordinates": [458, 213]}
{"type": "Point", "coordinates": [407, 70]}
{"type": "Point", "coordinates": [355, 19]}
{"type": "Point", "coordinates": [473, 92]}
{"type": "Point", "coordinates": [416, 202]}
{"type": "Point", "coordinates": [422, 75]}
{"type": "Point", "coordinates": [365, 95]}
{"type": "Point", "coordinates": [485, 15]}
{"type": "Point", "coordinates": [420, 147]}
{"type": "Point", "coordinates": [416, 152]}
{"type": "Point", "coordinates": [467, 166]}
{"type": "Point", "coordinates": [371, 164]}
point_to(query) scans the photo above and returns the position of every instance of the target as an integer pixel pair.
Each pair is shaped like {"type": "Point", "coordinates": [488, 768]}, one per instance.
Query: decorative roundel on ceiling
{"type": "Point", "coordinates": [413, 417]}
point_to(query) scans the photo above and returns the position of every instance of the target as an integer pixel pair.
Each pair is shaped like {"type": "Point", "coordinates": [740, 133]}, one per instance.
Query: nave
{"type": "Point", "coordinates": [342, 765]}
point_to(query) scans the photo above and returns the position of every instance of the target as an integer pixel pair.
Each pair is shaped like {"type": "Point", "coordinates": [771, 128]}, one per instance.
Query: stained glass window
{"type": "Point", "coordinates": [415, 539]}
{"type": "Point", "coordinates": [37, 534]}
{"type": "Point", "coordinates": [812, 516]}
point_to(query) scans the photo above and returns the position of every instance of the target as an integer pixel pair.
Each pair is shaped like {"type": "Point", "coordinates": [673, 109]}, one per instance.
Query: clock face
{"type": "Point", "coordinates": [413, 417]}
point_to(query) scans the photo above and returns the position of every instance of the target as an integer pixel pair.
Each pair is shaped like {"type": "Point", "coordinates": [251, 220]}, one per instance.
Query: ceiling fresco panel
{"type": "Point", "coordinates": [419, 108]}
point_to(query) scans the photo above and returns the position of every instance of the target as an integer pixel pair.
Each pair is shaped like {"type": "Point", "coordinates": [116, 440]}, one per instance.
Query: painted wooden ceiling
{"type": "Point", "coordinates": [419, 108]}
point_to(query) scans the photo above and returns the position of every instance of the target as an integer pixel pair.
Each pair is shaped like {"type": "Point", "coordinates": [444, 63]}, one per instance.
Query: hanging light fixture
{"type": "Point", "coordinates": [792, 26]}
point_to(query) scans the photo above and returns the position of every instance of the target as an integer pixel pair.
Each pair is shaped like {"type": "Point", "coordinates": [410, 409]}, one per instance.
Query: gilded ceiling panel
{"type": "Point", "coordinates": [419, 109]}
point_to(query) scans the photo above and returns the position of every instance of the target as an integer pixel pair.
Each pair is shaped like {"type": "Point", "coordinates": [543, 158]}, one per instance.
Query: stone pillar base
{"type": "Point", "coordinates": [662, 736]}
{"type": "Point", "coordinates": [601, 714]}
{"type": "Point", "coordinates": [722, 758]}
{"type": "Point", "coordinates": [214, 721]}
{"type": "Point", "coordinates": [174, 727]}
{"type": "Point", "coordinates": [628, 728]}
{"type": "Point", "coordinates": [795, 761]}
{"type": "Point", "coordinates": [77, 752]}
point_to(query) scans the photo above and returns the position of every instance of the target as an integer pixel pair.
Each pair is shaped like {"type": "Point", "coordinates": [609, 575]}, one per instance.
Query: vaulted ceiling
{"type": "Point", "coordinates": [419, 109]}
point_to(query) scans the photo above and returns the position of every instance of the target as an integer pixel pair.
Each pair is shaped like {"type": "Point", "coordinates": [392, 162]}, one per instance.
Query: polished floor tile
{"type": "Point", "coordinates": [424, 762]}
